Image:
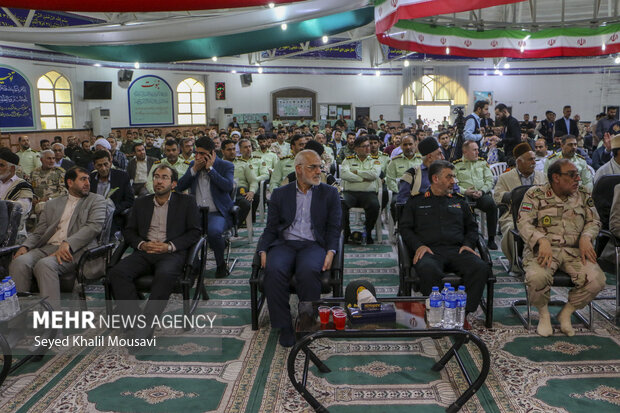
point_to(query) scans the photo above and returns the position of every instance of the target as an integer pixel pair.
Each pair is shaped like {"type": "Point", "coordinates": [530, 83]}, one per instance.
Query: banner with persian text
{"type": "Point", "coordinates": [150, 102]}
{"type": "Point", "coordinates": [15, 100]}
{"type": "Point", "coordinates": [348, 51]}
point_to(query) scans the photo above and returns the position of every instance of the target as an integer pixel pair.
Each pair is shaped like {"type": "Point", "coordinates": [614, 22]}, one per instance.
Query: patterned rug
{"type": "Point", "coordinates": [231, 368]}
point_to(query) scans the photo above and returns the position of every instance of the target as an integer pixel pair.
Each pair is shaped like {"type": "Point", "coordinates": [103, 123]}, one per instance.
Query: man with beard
{"type": "Point", "coordinates": [14, 188]}
{"type": "Point", "coordinates": [28, 158]}
{"type": "Point", "coordinates": [512, 132]}
{"type": "Point", "coordinates": [171, 151]}
{"type": "Point", "coordinates": [48, 181]}
{"type": "Point", "coordinates": [569, 151]}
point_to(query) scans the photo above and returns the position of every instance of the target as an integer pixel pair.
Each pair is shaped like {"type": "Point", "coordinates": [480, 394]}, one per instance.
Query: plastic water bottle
{"type": "Point", "coordinates": [444, 292]}
{"type": "Point", "coordinates": [364, 237]}
{"type": "Point", "coordinates": [461, 301]}
{"type": "Point", "coordinates": [449, 311]}
{"type": "Point", "coordinates": [13, 302]}
{"type": "Point", "coordinates": [435, 312]}
{"type": "Point", "coordinates": [3, 303]}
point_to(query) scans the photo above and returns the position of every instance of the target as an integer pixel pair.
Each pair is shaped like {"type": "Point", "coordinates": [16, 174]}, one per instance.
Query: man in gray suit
{"type": "Point", "coordinates": [67, 226]}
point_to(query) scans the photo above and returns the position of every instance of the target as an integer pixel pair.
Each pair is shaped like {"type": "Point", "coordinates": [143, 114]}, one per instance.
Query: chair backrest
{"type": "Point", "coordinates": [14, 214]}
{"type": "Point", "coordinates": [498, 168]}
{"type": "Point", "coordinates": [516, 197]}
{"type": "Point", "coordinates": [603, 194]}
{"type": "Point", "coordinates": [104, 237]}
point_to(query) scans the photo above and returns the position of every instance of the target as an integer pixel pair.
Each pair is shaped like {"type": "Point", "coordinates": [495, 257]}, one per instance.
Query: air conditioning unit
{"type": "Point", "coordinates": [224, 117]}
{"type": "Point", "coordinates": [101, 122]}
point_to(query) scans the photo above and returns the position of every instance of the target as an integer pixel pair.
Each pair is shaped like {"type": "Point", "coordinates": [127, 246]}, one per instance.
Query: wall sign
{"type": "Point", "coordinates": [150, 102]}
{"type": "Point", "coordinates": [15, 100]}
{"type": "Point", "coordinates": [220, 91]}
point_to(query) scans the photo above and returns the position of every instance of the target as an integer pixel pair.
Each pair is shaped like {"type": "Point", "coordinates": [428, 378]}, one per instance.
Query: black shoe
{"type": "Point", "coordinates": [287, 337]}
{"type": "Point", "coordinates": [222, 271]}
{"type": "Point", "coordinates": [369, 241]}
{"type": "Point", "coordinates": [492, 245]}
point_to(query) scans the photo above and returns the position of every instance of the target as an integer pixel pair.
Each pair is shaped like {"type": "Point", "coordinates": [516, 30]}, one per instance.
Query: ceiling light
{"type": "Point", "coordinates": [256, 64]}
{"type": "Point", "coordinates": [406, 63]}
{"type": "Point", "coordinates": [603, 47]}
{"type": "Point", "coordinates": [501, 73]}
{"type": "Point", "coordinates": [325, 39]}
{"type": "Point", "coordinates": [271, 5]}
{"type": "Point", "coordinates": [377, 73]}
{"type": "Point", "coordinates": [617, 60]}
{"type": "Point", "coordinates": [136, 65]}
{"type": "Point", "coordinates": [284, 26]}
{"type": "Point", "coordinates": [506, 65]}
{"type": "Point", "coordinates": [214, 58]}
{"type": "Point", "coordinates": [447, 50]}
{"type": "Point", "coordinates": [360, 74]}
{"type": "Point", "coordinates": [260, 70]}
{"type": "Point", "coordinates": [97, 65]}
{"type": "Point", "coordinates": [497, 72]}
{"type": "Point", "coordinates": [233, 71]}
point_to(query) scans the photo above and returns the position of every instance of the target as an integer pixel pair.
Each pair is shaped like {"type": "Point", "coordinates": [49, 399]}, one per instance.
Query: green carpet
{"type": "Point", "coordinates": [233, 369]}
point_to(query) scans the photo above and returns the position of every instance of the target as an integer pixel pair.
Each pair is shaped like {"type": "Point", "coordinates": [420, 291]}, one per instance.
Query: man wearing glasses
{"type": "Point", "coordinates": [558, 222]}
{"type": "Point", "coordinates": [301, 238]}
{"type": "Point", "coordinates": [569, 151]}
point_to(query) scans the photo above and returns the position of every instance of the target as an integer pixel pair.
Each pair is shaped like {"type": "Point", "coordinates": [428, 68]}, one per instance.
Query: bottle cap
{"type": "Point", "coordinates": [451, 289]}
{"type": "Point", "coordinates": [435, 288]}
{"type": "Point", "coordinates": [447, 285]}
{"type": "Point", "coordinates": [461, 288]}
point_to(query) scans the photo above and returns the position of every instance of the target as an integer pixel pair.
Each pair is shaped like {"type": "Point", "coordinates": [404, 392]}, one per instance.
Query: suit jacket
{"type": "Point", "coordinates": [182, 224]}
{"type": "Point", "coordinates": [614, 215]}
{"type": "Point", "coordinates": [560, 127]}
{"type": "Point", "coordinates": [222, 182]}
{"type": "Point", "coordinates": [67, 164]}
{"type": "Point", "coordinates": [131, 167]}
{"type": "Point", "coordinates": [325, 213]}
{"type": "Point", "coordinates": [84, 227]}
{"type": "Point", "coordinates": [119, 183]}
{"type": "Point", "coordinates": [505, 184]}
{"type": "Point", "coordinates": [512, 136]}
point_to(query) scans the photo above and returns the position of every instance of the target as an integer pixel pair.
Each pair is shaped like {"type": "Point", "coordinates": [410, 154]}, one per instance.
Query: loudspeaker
{"type": "Point", "coordinates": [246, 79]}
{"type": "Point", "coordinates": [125, 75]}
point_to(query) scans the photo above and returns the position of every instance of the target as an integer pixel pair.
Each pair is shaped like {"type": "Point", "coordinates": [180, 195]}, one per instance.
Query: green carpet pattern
{"type": "Point", "coordinates": [231, 368]}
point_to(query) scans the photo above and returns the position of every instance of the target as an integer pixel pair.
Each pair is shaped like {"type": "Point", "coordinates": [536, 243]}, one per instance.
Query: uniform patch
{"type": "Point", "coordinates": [590, 202]}
{"type": "Point", "coordinates": [454, 205]}
{"type": "Point", "coordinates": [526, 206]}
{"type": "Point", "coordinates": [546, 221]}
{"type": "Point", "coordinates": [377, 162]}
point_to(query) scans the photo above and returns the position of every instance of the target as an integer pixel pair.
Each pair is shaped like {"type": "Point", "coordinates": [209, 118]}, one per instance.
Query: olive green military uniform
{"type": "Point", "coordinates": [180, 166]}
{"type": "Point", "coordinates": [48, 183]}
{"type": "Point", "coordinates": [246, 182]}
{"type": "Point", "coordinates": [281, 150]}
{"type": "Point", "coordinates": [284, 167]}
{"type": "Point", "coordinates": [29, 160]}
{"type": "Point", "coordinates": [261, 170]}
{"type": "Point", "coordinates": [344, 153]}
{"type": "Point", "coordinates": [397, 167]}
{"type": "Point", "coordinates": [581, 164]}
{"type": "Point", "coordinates": [270, 159]}
{"type": "Point", "coordinates": [543, 214]}
{"type": "Point", "coordinates": [385, 160]}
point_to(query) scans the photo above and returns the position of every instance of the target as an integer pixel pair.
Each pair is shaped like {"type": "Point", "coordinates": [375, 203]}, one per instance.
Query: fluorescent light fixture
{"type": "Point", "coordinates": [260, 70]}
{"type": "Point", "coordinates": [271, 5]}
{"type": "Point", "coordinates": [325, 39]}
{"type": "Point", "coordinates": [136, 65]}
{"type": "Point", "coordinates": [406, 63]}
{"type": "Point", "coordinates": [284, 26]}
{"type": "Point", "coordinates": [214, 58]}
{"type": "Point", "coordinates": [97, 65]}
{"type": "Point", "coordinates": [233, 71]}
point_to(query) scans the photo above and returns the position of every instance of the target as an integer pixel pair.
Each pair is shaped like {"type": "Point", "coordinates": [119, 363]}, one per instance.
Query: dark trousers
{"type": "Point", "coordinates": [366, 200]}
{"type": "Point", "coordinates": [487, 205]}
{"type": "Point", "coordinates": [215, 230]}
{"type": "Point", "coordinates": [166, 270]}
{"type": "Point", "coordinates": [304, 259]}
{"type": "Point", "coordinates": [470, 267]}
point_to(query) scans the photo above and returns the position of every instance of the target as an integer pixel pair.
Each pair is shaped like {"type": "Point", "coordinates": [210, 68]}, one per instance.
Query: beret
{"type": "Point", "coordinates": [427, 146]}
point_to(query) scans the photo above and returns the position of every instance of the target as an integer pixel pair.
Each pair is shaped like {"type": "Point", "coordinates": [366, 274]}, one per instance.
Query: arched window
{"type": "Point", "coordinates": [191, 97]}
{"type": "Point", "coordinates": [55, 100]}
{"type": "Point", "coordinates": [432, 88]}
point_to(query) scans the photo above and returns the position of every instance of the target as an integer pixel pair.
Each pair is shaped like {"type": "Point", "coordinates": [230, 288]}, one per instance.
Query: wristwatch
{"type": "Point", "coordinates": [169, 247]}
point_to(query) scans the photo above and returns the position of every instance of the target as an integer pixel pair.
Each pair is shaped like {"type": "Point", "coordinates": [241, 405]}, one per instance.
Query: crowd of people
{"type": "Point", "coordinates": [158, 181]}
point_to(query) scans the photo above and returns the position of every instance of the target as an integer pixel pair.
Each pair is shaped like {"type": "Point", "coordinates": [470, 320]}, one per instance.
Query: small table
{"type": "Point", "coordinates": [13, 329]}
{"type": "Point", "coordinates": [410, 322]}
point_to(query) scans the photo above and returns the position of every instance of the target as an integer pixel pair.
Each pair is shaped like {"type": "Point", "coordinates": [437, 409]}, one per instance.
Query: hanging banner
{"type": "Point", "coordinates": [389, 12]}
{"type": "Point", "coordinates": [15, 100]}
{"type": "Point", "coordinates": [393, 53]}
{"type": "Point", "coordinates": [554, 42]}
{"type": "Point", "coordinates": [46, 19]}
{"type": "Point", "coordinates": [348, 51]}
{"type": "Point", "coordinates": [150, 102]}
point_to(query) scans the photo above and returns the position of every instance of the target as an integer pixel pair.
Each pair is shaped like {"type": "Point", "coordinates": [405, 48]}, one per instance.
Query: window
{"type": "Point", "coordinates": [55, 100]}
{"type": "Point", "coordinates": [432, 88]}
{"type": "Point", "coordinates": [191, 97]}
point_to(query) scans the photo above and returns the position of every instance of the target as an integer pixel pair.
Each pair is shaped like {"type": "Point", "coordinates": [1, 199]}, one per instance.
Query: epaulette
{"type": "Point", "coordinates": [159, 161]}
{"type": "Point", "coordinates": [457, 161]}
{"type": "Point", "coordinates": [417, 155]}
{"type": "Point", "coordinates": [554, 155]}
{"type": "Point", "coordinates": [256, 157]}
{"type": "Point", "coordinates": [60, 168]}
{"type": "Point", "coordinates": [458, 194]}
{"type": "Point", "coordinates": [398, 156]}
{"type": "Point", "coordinates": [350, 157]}
{"type": "Point", "coordinates": [187, 162]}
{"type": "Point", "coordinates": [382, 154]}
{"type": "Point", "coordinates": [580, 156]}
{"type": "Point", "coordinates": [480, 158]}
{"type": "Point", "coordinates": [374, 156]}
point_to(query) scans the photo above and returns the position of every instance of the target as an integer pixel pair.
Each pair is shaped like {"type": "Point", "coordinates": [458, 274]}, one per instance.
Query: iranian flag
{"type": "Point", "coordinates": [388, 12]}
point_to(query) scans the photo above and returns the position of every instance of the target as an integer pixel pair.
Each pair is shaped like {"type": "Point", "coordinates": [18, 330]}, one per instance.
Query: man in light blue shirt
{"type": "Point", "coordinates": [472, 131]}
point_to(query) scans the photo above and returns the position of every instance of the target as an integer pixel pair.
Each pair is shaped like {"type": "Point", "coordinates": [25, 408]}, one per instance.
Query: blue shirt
{"type": "Point", "coordinates": [567, 121]}
{"type": "Point", "coordinates": [470, 127]}
{"type": "Point", "coordinates": [301, 228]}
{"type": "Point", "coordinates": [404, 189]}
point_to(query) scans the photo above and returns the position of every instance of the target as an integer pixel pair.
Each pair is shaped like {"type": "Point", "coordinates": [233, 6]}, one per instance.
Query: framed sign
{"type": "Point", "coordinates": [294, 103]}
{"type": "Point", "coordinates": [15, 100]}
{"type": "Point", "coordinates": [220, 91]}
{"type": "Point", "coordinates": [150, 102]}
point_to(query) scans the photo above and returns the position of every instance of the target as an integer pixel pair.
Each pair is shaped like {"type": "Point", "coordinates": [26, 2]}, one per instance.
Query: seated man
{"type": "Point", "coordinates": [523, 174]}
{"type": "Point", "coordinates": [14, 188]}
{"type": "Point", "coordinates": [67, 226]}
{"type": "Point", "coordinates": [171, 150]}
{"type": "Point", "coordinates": [210, 180]}
{"type": "Point", "coordinates": [159, 248]}
{"type": "Point", "coordinates": [59, 157]}
{"type": "Point", "coordinates": [557, 222]}
{"type": "Point", "coordinates": [245, 176]}
{"type": "Point", "coordinates": [301, 238]}
{"type": "Point", "coordinates": [475, 182]}
{"type": "Point", "coordinates": [612, 167]}
{"type": "Point", "coordinates": [286, 164]}
{"type": "Point", "coordinates": [138, 169]}
{"type": "Point", "coordinates": [48, 181]}
{"type": "Point", "coordinates": [569, 151]}
{"type": "Point", "coordinates": [440, 234]}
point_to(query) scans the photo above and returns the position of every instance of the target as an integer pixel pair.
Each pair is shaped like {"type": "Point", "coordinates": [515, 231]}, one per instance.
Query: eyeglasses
{"type": "Point", "coordinates": [571, 174]}
{"type": "Point", "coordinates": [313, 167]}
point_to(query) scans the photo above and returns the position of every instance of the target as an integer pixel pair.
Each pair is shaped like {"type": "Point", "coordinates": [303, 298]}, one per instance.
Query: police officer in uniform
{"type": "Point", "coordinates": [247, 183]}
{"type": "Point", "coordinates": [268, 157]}
{"type": "Point", "coordinates": [286, 165]}
{"type": "Point", "coordinates": [557, 222]}
{"type": "Point", "coordinates": [359, 176]}
{"type": "Point", "coordinates": [440, 232]}
{"type": "Point", "coordinates": [476, 182]}
{"type": "Point", "coordinates": [569, 151]}
{"type": "Point", "coordinates": [375, 143]}
{"type": "Point", "coordinates": [28, 158]}
{"type": "Point", "coordinates": [171, 151]}
{"type": "Point", "coordinates": [401, 163]}
{"type": "Point", "coordinates": [48, 181]}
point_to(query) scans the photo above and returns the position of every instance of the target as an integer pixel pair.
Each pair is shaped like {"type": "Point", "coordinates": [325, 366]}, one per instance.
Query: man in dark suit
{"type": "Point", "coordinates": [512, 132]}
{"type": "Point", "coordinates": [138, 169]}
{"type": "Point", "coordinates": [161, 229]}
{"type": "Point", "coordinates": [565, 125]}
{"type": "Point", "coordinates": [59, 157]}
{"type": "Point", "coordinates": [211, 179]}
{"type": "Point", "coordinates": [113, 184]}
{"type": "Point", "coordinates": [301, 238]}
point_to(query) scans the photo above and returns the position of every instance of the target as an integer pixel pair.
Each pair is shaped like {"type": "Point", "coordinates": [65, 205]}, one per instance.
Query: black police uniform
{"type": "Point", "coordinates": [444, 224]}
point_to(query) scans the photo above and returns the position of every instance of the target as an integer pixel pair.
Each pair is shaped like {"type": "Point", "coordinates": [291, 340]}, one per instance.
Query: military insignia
{"type": "Point", "coordinates": [250, 166]}
{"type": "Point", "coordinates": [549, 194]}
{"type": "Point", "coordinates": [427, 194]}
{"type": "Point", "coordinates": [526, 206]}
{"type": "Point", "coordinates": [590, 202]}
{"type": "Point", "coordinates": [546, 221]}
{"type": "Point", "coordinates": [377, 162]}
{"type": "Point", "coordinates": [242, 191]}
{"type": "Point", "coordinates": [264, 164]}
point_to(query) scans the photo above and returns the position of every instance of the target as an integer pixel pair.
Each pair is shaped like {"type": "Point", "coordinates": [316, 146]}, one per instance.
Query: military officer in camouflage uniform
{"type": "Point", "coordinates": [475, 181]}
{"type": "Point", "coordinates": [569, 151]}
{"type": "Point", "coordinates": [348, 149]}
{"type": "Point", "coordinates": [360, 180]}
{"type": "Point", "coordinates": [280, 147]}
{"type": "Point", "coordinates": [172, 158]}
{"type": "Point", "coordinates": [557, 222]}
{"type": "Point", "coordinates": [286, 165]}
{"type": "Point", "coordinates": [48, 181]}
{"type": "Point", "coordinates": [245, 178]}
